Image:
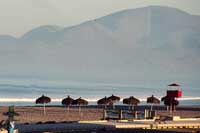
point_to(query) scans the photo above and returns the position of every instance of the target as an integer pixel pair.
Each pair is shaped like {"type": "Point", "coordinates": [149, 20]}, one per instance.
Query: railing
{"type": "Point", "coordinates": [119, 114]}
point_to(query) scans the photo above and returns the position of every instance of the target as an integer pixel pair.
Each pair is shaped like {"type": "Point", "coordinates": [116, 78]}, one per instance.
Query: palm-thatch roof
{"type": "Point", "coordinates": [114, 98]}
{"type": "Point", "coordinates": [131, 101]}
{"type": "Point", "coordinates": [153, 100]}
{"type": "Point", "coordinates": [43, 99]}
{"type": "Point", "coordinates": [103, 101]}
{"type": "Point", "coordinates": [67, 101]}
{"type": "Point", "coordinates": [80, 101]}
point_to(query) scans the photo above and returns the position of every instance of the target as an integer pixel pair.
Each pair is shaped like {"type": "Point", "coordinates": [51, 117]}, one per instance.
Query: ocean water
{"type": "Point", "coordinates": [18, 92]}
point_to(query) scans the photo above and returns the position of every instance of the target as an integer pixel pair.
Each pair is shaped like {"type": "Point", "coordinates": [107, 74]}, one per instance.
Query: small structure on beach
{"type": "Point", "coordinates": [80, 102]}
{"type": "Point", "coordinates": [104, 101]}
{"type": "Point", "coordinates": [67, 101]}
{"type": "Point", "coordinates": [131, 101]}
{"type": "Point", "coordinates": [153, 100]}
{"type": "Point", "coordinates": [173, 92]}
{"type": "Point", "coordinates": [113, 99]}
{"type": "Point", "coordinates": [43, 100]}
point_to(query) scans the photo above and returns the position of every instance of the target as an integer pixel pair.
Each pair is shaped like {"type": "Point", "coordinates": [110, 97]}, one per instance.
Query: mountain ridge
{"type": "Point", "coordinates": [139, 44]}
{"type": "Point", "coordinates": [111, 14]}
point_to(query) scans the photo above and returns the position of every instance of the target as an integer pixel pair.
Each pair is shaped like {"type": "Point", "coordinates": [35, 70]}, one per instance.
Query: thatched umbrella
{"type": "Point", "coordinates": [104, 101]}
{"type": "Point", "coordinates": [43, 100]}
{"type": "Point", "coordinates": [153, 100]}
{"type": "Point", "coordinates": [170, 102]}
{"type": "Point", "coordinates": [67, 101]}
{"type": "Point", "coordinates": [173, 102]}
{"type": "Point", "coordinates": [165, 99]}
{"type": "Point", "coordinates": [80, 102]}
{"type": "Point", "coordinates": [131, 101]}
{"type": "Point", "coordinates": [112, 99]}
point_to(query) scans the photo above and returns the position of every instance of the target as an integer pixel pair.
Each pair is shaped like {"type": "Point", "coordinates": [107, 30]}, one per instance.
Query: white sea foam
{"type": "Point", "coordinates": [189, 98]}
{"type": "Point", "coordinates": [89, 99]}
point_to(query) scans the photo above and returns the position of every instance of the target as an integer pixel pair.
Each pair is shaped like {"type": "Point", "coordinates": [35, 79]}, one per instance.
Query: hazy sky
{"type": "Point", "coordinates": [19, 16]}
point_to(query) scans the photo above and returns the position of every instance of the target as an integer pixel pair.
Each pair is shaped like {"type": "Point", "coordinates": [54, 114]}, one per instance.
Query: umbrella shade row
{"type": "Point", "coordinates": [80, 101]}
{"type": "Point", "coordinates": [112, 99]}
{"type": "Point", "coordinates": [67, 101]}
{"type": "Point", "coordinates": [131, 100]}
{"type": "Point", "coordinates": [108, 100]}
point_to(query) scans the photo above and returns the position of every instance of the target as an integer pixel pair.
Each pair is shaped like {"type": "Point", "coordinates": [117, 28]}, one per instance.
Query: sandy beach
{"type": "Point", "coordinates": [57, 114]}
{"type": "Point", "coordinates": [32, 118]}
{"type": "Point", "coordinates": [61, 114]}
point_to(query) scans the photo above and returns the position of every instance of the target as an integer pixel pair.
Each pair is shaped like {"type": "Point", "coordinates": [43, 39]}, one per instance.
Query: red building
{"type": "Point", "coordinates": [174, 91]}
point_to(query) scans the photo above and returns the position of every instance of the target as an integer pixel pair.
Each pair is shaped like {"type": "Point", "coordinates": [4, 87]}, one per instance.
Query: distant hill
{"type": "Point", "coordinates": [150, 43]}
{"type": "Point", "coordinates": [6, 39]}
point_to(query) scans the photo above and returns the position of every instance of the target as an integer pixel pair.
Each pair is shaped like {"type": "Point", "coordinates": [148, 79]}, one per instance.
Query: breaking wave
{"type": "Point", "coordinates": [90, 100]}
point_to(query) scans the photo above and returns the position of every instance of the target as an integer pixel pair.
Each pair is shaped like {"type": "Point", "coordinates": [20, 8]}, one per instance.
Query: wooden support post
{"type": "Point", "coordinates": [136, 116]}
{"type": "Point", "coordinates": [120, 114]}
{"type": "Point", "coordinates": [104, 114]}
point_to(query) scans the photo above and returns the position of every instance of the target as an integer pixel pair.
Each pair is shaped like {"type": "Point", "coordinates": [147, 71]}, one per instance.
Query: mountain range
{"type": "Point", "coordinates": [149, 43]}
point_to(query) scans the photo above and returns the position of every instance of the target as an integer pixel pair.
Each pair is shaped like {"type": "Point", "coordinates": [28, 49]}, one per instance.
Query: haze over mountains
{"type": "Point", "coordinates": [150, 43]}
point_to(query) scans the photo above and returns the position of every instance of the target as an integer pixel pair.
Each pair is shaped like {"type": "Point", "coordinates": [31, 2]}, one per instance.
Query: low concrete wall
{"type": "Point", "coordinates": [178, 118]}
{"type": "Point", "coordinates": [99, 121]}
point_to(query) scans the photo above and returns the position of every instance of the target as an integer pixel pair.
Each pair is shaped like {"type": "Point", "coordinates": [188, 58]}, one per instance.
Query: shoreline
{"type": "Point", "coordinates": [142, 103]}
{"type": "Point", "coordinates": [90, 100]}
